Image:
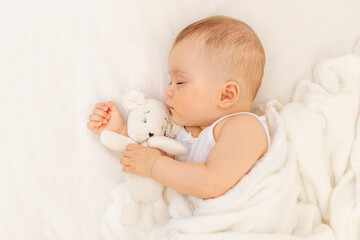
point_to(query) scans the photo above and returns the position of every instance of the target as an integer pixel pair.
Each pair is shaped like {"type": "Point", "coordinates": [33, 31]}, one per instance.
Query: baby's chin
{"type": "Point", "coordinates": [176, 121]}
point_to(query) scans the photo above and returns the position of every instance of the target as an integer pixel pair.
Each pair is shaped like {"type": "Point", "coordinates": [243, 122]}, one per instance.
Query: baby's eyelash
{"type": "Point", "coordinates": [177, 83]}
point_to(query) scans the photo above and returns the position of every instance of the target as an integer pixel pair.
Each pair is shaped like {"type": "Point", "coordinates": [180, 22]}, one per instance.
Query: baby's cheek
{"type": "Point", "coordinates": [186, 104]}
{"type": "Point", "coordinates": [190, 109]}
{"type": "Point", "coordinates": [188, 98]}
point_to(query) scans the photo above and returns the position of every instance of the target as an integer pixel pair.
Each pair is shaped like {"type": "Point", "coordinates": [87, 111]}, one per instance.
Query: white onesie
{"type": "Point", "coordinates": [200, 147]}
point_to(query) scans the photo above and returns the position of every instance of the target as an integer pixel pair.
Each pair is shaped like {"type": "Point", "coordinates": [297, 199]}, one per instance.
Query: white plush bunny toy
{"type": "Point", "coordinates": [149, 124]}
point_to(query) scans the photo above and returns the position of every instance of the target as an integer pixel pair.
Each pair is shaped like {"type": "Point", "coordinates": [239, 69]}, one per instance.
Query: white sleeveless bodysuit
{"type": "Point", "coordinates": [199, 148]}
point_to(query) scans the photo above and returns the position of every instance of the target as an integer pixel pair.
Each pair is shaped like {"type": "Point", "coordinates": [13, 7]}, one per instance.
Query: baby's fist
{"type": "Point", "coordinates": [106, 116]}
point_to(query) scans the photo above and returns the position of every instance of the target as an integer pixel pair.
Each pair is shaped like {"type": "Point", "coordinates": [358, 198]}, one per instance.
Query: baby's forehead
{"type": "Point", "coordinates": [189, 54]}
{"type": "Point", "coordinates": [195, 46]}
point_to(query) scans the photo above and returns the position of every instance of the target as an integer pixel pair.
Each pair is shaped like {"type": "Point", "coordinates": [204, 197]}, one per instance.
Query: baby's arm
{"type": "Point", "coordinates": [242, 140]}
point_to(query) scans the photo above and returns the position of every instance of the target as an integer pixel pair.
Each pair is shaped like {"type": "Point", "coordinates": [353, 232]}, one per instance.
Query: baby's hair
{"type": "Point", "coordinates": [234, 49]}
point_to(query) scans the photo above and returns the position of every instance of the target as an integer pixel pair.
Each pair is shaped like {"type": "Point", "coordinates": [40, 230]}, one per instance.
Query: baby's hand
{"type": "Point", "coordinates": [106, 116]}
{"type": "Point", "coordinates": [139, 160]}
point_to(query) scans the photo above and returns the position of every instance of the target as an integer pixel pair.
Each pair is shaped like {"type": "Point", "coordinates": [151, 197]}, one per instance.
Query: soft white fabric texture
{"type": "Point", "coordinates": [199, 148]}
{"type": "Point", "coordinates": [59, 58]}
{"type": "Point", "coordinates": [305, 187]}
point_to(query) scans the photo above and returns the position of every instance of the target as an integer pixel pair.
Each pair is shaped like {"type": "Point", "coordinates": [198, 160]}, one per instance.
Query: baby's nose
{"type": "Point", "coordinates": [169, 91]}
{"type": "Point", "coordinates": [151, 134]}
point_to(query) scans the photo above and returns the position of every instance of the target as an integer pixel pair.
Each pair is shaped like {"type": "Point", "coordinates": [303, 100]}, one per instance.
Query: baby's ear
{"type": "Point", "coordinates": [229, 94]}
{"type": "Point", "coordinates": [132, 99]}
{"type": "Point", "coordinates": [172, 129]}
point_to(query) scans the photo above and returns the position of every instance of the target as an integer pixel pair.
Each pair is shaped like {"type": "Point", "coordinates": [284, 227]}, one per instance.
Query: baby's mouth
{"type": "Point", "coordinates": [171, 108]}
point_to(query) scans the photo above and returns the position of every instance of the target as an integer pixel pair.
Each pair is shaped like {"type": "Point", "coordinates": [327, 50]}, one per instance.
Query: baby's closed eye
{"type": "Point", "coordinates": [178, 82]}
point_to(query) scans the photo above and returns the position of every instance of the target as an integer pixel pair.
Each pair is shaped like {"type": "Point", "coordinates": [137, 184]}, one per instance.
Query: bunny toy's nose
{"type": "Point", "coordinates": [151, 134]}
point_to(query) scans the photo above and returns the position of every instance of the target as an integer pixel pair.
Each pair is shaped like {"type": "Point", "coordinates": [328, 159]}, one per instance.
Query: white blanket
{"type": "Point", "coordinates": [306, 186]}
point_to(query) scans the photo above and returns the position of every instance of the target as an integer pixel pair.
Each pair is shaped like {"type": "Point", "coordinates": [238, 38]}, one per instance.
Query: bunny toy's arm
{"type": "Point", "coordinates": [115, 141]}
{"type": "Point", "coordinates": [168, 145]}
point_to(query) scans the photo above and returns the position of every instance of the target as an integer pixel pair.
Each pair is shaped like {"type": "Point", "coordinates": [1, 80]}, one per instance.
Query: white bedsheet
{"type": "Point", "coordinates": [58, 58]}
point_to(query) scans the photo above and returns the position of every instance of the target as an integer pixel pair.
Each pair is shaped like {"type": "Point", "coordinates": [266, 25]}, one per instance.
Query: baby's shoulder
{"type": "Point", "coordinates": [240, 124]}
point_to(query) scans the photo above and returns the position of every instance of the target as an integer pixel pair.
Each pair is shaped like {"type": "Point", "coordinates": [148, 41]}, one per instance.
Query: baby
{"type": "Point", "coordinates": [216, 66]}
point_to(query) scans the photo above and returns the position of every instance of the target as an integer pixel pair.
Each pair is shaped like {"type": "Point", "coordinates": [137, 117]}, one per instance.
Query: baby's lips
{"type": "Point", "coordinates": [169, 106]}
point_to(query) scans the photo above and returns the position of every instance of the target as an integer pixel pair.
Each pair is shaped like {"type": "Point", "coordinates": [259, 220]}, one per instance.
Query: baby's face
{"type": "Point", "coordinates": [194, 90]}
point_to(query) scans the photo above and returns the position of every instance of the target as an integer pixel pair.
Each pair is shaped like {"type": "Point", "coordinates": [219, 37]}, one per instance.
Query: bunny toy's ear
{"type": "Point", "coordinates": [172, 129]}
{"type": "Point", "coordinates": [132, 99]}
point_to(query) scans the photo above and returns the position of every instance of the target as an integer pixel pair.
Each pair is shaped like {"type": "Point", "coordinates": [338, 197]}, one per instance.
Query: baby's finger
{"type": "Point", "coordinates": [125, 161]}
{"type": "Point", "coordinates": [126, 154]}
{"type": "Point", "coordinates": [128, 169]}
{"type": "Point", "coordinates": [92, 125]}
{"type": "Point", "coordinates": [131, 147]}
{"type": "Point", "coordinates": [102, 106]}
{"type": "Point", "coordinates": [101, 113]}
{"type": "Point", "coordinates": [98, 123]}
{"type": "Point", "coordinates": [112, 106]}
{"type": "Point", "coordinates": [94, 117]}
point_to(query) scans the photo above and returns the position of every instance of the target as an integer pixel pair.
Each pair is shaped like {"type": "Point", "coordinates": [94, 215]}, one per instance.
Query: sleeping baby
{"type": "Point", "coordinates": [216, 67]}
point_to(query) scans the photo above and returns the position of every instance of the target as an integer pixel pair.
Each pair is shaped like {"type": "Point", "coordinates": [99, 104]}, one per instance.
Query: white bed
{"type": "Point", "coordinates": [58, 58]}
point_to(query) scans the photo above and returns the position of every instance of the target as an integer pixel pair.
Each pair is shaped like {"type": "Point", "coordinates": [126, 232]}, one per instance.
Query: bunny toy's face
{"type": "Point", "coordinates": [147, 120]}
